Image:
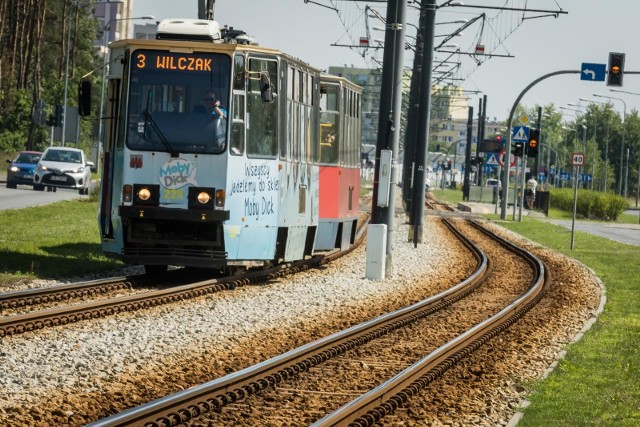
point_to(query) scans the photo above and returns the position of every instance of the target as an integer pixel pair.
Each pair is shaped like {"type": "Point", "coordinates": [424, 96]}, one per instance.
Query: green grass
{"type": "Point", "coordinates": [52, 241]}
{"type": "Point", "coordinates": [598, 382]}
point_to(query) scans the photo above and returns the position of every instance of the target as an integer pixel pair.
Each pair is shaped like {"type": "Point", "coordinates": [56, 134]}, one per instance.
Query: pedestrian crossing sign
{"type": "Point", "coordinates": [492, 160]}
{"type": "Point", "coordinates": [521, 133]}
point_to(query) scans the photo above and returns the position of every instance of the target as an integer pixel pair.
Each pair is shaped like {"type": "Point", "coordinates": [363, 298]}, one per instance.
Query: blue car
{"type": "Point", "coordinates": [22, 169]}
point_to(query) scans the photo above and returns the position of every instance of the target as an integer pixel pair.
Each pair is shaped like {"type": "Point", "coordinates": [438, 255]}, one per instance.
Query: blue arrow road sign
{"type": "Point", "coordinates": [593, 72]}
{"type": "Point", "coordinates": [521, 133]}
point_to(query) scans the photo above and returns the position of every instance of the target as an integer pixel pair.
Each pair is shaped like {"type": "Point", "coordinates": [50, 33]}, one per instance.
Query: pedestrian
{"type": "Point", "coordinates": [530, 192]}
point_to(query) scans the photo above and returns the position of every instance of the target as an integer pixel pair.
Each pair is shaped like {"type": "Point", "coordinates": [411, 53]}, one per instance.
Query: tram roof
{"type": "Point", "coordinates": [189, 46]}
{"type": "Point", "coordinates": [340, 80]}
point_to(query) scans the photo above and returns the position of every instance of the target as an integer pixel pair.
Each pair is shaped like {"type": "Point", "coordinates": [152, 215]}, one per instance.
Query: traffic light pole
{"type": "Point", "coordinates": [503, 210]}
{"type": "Point", "coordinates": [421, 142]}
{"type": "Point", "coordinates": [535, 159]}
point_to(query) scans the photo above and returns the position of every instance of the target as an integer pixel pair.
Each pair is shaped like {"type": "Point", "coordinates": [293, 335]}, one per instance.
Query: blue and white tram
{"type": "Point", "coordinates": [182, 186]}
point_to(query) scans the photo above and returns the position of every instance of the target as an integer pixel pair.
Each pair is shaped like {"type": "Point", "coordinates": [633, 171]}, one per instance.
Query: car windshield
{"type": "Point", "coordinates": [66, 156]}
{"type": "Point", "coordinates": [28, 158]}
{"type": "Point", "coordinates": [168, 98]}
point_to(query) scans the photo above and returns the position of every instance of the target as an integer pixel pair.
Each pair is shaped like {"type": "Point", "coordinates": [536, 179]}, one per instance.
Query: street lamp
{"type": "Point", "coordinates": [624, 114]}
{"type": "Point", "coordinates": [105, 31]}
{"type": "Point", "coordinates": [638, 189]}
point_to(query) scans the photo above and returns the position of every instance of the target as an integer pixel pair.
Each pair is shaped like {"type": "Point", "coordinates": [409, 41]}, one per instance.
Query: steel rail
{"type": "Point", "coordinates": [27, 297]}
{"type": "Point", "coordinates": [370, 407]}
{"type": "Point", "coordinates": [212, 396]}
{"type": "Point", "coordinates": [17, 324]}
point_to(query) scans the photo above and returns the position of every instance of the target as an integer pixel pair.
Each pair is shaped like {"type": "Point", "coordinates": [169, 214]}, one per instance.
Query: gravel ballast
{"type": "Point", "coordinates": [75, 374]}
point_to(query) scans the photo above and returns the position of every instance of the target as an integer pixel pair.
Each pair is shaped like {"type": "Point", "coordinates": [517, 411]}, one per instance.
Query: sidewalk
{"type": "Point", "coordinates": [623, 233]}
{"type": "Point", "coordinates": [490, 208]}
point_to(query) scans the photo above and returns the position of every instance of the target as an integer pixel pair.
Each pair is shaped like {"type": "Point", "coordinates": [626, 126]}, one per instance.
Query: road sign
{"type": "Point", "coordinates": [521, 133]}
{"type": "Point", "coordinates": [491, 159]}
{"type": "Point", "coordinates": [593, 72]}
{"type": "Point", "coordinates": [512, 159]}
{"type": "Point", "coordinates": [577, 159]}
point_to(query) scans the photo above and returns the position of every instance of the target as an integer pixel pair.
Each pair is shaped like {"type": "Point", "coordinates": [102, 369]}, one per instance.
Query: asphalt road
{"type": "Point", "coordinates": [24, 197]}
{"type": "Point", "coordinates": [623, 233]}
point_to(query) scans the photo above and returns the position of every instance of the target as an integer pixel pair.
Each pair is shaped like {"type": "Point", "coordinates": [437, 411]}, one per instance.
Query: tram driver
{"type": "Point", "coordinates": [210, 105]}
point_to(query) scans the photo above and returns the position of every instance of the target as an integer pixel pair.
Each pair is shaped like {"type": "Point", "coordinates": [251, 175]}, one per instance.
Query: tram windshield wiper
{"type": "Point", "coordinates": [149, 118]}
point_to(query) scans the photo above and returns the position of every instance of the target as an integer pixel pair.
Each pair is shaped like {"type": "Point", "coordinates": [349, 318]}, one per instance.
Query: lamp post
{"type": "Point", "coordinates": [624, 114]}
{"type": "Point", "coordinates": [638, 188]}
{"type": "Point", "coordinates": [105, 39]}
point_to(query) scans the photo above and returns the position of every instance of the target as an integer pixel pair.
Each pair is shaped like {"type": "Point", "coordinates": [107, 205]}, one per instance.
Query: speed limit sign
{"type": "Point", "coordinates": [577, 159]}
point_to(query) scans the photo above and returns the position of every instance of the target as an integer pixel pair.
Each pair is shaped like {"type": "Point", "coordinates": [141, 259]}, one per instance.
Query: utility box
{"type": "Point", "coordinates": [376, 251]}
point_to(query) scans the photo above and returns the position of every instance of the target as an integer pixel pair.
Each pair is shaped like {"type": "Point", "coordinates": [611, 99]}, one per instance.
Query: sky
{"type": "Point", "coordinates": [584, 35]}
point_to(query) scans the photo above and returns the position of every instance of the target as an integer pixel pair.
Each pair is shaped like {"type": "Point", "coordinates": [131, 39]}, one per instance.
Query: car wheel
{"type": "Point", "coordinates": [38, 187]}
{"type": "Point", "coordinates": [12, 185]}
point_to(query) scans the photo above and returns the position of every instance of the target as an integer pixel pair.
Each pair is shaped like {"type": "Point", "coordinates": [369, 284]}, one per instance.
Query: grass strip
{"type": "Point", "coordinates": [52, 241]}
{"type": "Point", "coordinates": [598, 382]}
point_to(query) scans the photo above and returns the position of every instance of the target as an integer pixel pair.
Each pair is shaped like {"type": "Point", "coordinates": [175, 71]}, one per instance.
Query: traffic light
{"type": "Point", "coordinates": [533, 143]}
{"type": "Point", "coordinates": [518, 148]}
{"type": "Point", "coordinates": [616, 69]}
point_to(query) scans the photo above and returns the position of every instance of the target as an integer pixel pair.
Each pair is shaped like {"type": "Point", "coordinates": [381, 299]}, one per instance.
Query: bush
{"type": "Point", "coordinates": [590, 204]}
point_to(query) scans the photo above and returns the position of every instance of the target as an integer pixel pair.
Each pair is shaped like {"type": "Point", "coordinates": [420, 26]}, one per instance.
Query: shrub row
{"type": "Point", "coordinates": [590, 204]}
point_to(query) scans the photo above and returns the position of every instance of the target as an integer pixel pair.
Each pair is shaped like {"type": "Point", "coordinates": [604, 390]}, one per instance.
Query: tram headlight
{"type": "Point", "coordinates": [204, 197]}
{"type": "Point", "coordinates": [201, 198]}
{"type": "Point", "coordinates": [144, 194]}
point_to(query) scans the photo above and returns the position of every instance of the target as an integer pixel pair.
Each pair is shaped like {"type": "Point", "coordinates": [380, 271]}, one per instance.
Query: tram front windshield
{"type": "Point", "coordinates": [173, 99]}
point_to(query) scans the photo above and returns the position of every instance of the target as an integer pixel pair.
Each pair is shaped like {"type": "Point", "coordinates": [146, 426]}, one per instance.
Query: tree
{"type": "Point", "coordinates": [33, 46]}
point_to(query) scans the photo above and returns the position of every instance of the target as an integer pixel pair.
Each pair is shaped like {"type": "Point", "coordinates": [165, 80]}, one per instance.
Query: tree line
{"type": "Point", "coordinates": [35, 37]}
{"type": "Point", "coordinates": [609, 141]}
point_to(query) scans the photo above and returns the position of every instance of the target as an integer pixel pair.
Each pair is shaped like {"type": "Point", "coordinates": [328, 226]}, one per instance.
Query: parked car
{"type": "Point", "coordinates": [493, 183]}
{"type": "Point", "coordinates": [63, 167]}
{"type": "Point", "coordinates": [22, 169]}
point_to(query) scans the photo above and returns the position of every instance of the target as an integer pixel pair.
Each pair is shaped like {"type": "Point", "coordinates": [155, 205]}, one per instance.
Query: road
{"type": "Point", "coordinates": [623, 233]}
{"type": "Point", "coordinates": [24, 197]}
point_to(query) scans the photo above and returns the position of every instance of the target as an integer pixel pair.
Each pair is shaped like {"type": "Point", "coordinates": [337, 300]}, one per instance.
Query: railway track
{"type": "Point", "coordinates": [170, 290]}
{"type": "Point", "coordinates": [256, 391]}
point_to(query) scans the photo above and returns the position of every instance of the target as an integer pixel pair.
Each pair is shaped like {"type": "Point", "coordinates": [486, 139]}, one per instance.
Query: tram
{"type": "Point", "coordinates": [340, 136]}
{"type": "Point", "coordinates": [213, 156]}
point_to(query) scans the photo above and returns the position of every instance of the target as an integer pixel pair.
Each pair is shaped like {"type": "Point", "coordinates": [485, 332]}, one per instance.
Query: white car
{"type": "Point", "coordinates": [63, 167]}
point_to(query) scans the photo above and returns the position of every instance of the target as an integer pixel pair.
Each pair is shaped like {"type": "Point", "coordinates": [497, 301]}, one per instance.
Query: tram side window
{"type": "Point", "coordinates": [238, 124]}
{"type": "Point", "coordinates": [329, 124]}
{"type": "Point", "coordinates": [262, 117]}
{"type": "Point", "coordinates": [238, 113]}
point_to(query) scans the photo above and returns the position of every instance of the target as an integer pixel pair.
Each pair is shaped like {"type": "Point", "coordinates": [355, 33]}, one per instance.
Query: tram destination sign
{"type": "Point", "coordinates": [162, 60]}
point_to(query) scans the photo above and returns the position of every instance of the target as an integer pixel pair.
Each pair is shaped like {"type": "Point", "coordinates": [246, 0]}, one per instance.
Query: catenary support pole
{"type": "Point", "coordinates": [389, 117]}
